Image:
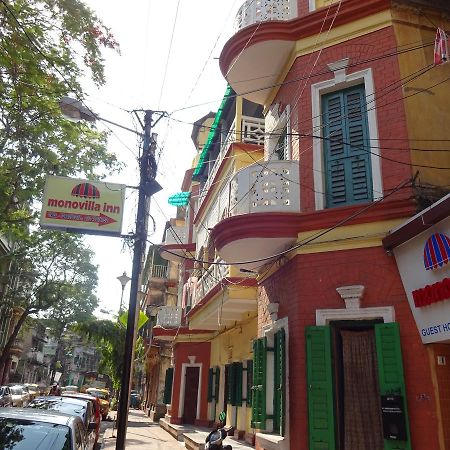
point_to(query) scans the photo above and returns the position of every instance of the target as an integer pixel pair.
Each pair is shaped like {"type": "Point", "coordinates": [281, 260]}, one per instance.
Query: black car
{"type": "Point", "coordinates": [5, 396]}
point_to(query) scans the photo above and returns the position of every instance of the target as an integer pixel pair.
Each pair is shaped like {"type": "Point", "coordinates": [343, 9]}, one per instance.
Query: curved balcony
{"type": "Point", "coordinates": [263, 203]}
{"type": "Point", "coordinates": [269, 32]}
{"type": "Point", "coordinates": [176, 244]}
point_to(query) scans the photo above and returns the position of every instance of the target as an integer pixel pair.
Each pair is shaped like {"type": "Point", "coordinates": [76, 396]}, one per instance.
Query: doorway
{"type": "Point", "coordinates": [190, 394]}
{"type": "Point", "coordinates": [357, 401]}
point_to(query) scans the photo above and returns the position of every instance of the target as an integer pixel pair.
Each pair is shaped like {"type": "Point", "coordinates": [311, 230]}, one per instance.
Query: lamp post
{"type": "Point", "coordinates": [124, 279]}
{"type": "Point", "coordinates": [147, 187]}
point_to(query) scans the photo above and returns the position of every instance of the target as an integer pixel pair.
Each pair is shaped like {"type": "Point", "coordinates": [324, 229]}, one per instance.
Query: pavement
{"type": "Point", "coordinates": [141, 434]}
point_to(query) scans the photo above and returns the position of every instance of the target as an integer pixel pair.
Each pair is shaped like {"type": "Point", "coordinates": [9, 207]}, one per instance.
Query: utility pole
{"type": "Point", "coordinates": [147, 187]}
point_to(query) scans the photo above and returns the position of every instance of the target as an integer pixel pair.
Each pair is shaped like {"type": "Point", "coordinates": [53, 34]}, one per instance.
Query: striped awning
{"type": "Point", "coordinates": [436, 252]}
{"type": "Point", "coordinates": [85, 190]}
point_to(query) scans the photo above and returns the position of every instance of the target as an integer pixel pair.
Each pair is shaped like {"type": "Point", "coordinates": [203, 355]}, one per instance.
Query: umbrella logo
{"type": "Point", "coordinates": [436, 252]}
{"type": "Point", "coordinates": [85, 190]}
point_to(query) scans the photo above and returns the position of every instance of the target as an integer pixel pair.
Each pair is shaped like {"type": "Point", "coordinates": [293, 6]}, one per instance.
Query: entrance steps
{"type": "Point", "coordinates": [194, 437]}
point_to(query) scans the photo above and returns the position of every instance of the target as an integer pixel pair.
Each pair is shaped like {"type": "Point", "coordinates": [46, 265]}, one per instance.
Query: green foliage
{"type": "Point", "coordinates": [45, 45]}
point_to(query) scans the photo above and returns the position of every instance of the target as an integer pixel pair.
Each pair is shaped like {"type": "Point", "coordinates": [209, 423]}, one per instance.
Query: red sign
{"type": "Point", "coordinates": [432, 293]}
{"type": "Point", "coordinates": [101, 219]}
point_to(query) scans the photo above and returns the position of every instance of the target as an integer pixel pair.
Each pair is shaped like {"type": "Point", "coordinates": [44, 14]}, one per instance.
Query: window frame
{"type": "Point", "coordinates": [341, 81]}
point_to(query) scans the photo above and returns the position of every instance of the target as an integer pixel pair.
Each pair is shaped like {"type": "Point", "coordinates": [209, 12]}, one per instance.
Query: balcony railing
{"type": "Point", "coordinates": [158, 271]}
{"type": "Point", "coordinates": [209, 279]}
{"type": "Point", "coordinates": [254, 11]}
{"type": "Point", "coordinates": [272, 186]}
{"type": "Point", "coordinates": [252, 132]}
{"type": "Point", "coordinates": [169, 317]}
{"type": "Point", "coordinates": [176, 235]}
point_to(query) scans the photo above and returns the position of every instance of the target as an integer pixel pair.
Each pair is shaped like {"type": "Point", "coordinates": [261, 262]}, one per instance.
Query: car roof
{"type": "Point", "coordinates": [37, 414]}
{"type": "Point", "coordinates": [74, 401]}
{"type": "Point", "coordinates": [79, 395]}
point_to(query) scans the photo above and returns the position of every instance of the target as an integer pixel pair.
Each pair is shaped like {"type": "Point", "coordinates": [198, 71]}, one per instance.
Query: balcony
{"type": "Point", "coordinates": [35, 357]}
{"type": "Point", "coordinates": [169, 317]}
{"type": "Point", "coordinates": [254, 11]}
{"type": "Point", "coordinates": [251, 132]}
{"type": "Point", "coordinates": [263, 201]}
{"type": "Point", "coordinates": [16, 348]}
{"type": "Point", "coordinates": [176, 244]}
{"type": "Point", "coordinates": [223, 296]}
{"type": "Point", "coordinates": [158, 271]}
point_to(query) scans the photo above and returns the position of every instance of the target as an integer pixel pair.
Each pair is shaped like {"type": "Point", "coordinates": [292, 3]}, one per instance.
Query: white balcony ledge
{"type": "Point", "coordinates": [264, 199]}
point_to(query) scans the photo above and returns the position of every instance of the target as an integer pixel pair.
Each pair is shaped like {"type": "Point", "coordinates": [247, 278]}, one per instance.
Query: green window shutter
{"type": "Point", "coordinates": [259, 383]}
{"type": "Point", "coordinates": [237, 368]}
{"type": "Point", "coordinates": [390, 372]}
{"type": "Point", "coordinates": [249, 382]}
{"type": "Point", "coordinates": [346, 147]}
{"type": "Point", "coordinates": [217, 384]}
{"type": "Point", "coordinates": [279, 399]}
{"type": "Point", "coordinates": [168, 386]}
{"type": "Point", "coordinates": [210, 385]}
{"type": "Point", "coordinates": [320, 388]}
{"type": "Point", "coordinates": [230, 383]}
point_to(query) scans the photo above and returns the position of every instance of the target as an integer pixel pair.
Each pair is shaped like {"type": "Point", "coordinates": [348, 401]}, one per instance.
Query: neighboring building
{"type": "Point", "coordinates": [32, 367]}
{"type": "Point", "coordinates": [308, 314]}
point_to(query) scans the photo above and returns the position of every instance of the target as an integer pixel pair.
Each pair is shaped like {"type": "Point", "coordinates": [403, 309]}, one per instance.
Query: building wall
{"type": "Point", "coordinates": [309, 282]}
{"type": "Point", "coordinates": [182, 352]}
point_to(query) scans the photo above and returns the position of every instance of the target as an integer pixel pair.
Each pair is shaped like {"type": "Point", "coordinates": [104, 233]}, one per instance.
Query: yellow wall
{"type": "Point", "coordinates": [322, 3]}
{"type": "Point", "coordinates": [428, 112]}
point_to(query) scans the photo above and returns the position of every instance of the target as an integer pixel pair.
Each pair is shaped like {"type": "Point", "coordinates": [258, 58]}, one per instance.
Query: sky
{"type": "Point", "coordinates": [168, 60]}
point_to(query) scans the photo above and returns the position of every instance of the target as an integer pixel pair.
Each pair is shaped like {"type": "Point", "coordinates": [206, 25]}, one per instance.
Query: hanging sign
{"type": "Point", "coordinates": [89, 207]}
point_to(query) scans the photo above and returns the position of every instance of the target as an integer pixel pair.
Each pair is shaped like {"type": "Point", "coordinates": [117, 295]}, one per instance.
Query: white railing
{"type": "Point", "coordinates": [169, 317]}
{"type": "Point", "coordinates": [176, 235]}
{"type": "Point", "coordinates": [158, 272]}
{"type": "Point", "coordinates": [254, 11]}
{"type": "Point", "coordinates": [252, 132]}
{"type": "Point", "coordinates": [271, 186]}
{"type": "Point", "coordinates": [213, 276]}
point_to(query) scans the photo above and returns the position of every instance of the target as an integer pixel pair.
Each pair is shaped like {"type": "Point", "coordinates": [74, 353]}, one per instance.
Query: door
{"type": "Point", "coordinates": [190, 394]}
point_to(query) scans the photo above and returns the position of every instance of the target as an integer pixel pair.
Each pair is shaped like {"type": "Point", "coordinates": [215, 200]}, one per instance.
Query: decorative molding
{"type": "Point", "coordinates": [338, 65]}
{"type": "Point", "coordinates": [191, 359]}
{"type": "Point", "coordinates": [325, 316]}
{"type": "Point", "coordinates": [351, 295]}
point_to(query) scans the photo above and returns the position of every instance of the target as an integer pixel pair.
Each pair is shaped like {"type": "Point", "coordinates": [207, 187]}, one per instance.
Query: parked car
{"type": "Point", "coordinates": [5, 396]}
{"type": "Point", "coordinates": [20, 395]}
{"type": "Point", "coordinates": [24, 429]}
{"type": "Point", "coordinates": [135, 399]}
{"type": "Point", "coordinates": [70, 389]}
{"type": "Point", "coordinates": [75, 407]}
{"type": "Point", "coordinates": [103, 396]}
{"type": "Point", "coordinates": [95, 404]}
{"type": "Point", "coordinates": [33, 390]}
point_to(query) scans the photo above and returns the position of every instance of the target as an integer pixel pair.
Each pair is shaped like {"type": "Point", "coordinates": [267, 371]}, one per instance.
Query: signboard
{"type": "Point", "coordinates": [424, 265]}
{"type": "Point", "coordinates": [90, 207]}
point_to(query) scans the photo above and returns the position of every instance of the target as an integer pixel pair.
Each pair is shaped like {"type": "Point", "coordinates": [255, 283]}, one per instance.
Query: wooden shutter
{"type": "Point", "coordinates": [320, 389]}
{"type": "Point", "coordinates": [346, 147]}
{"type": "Point", "coordinates": [259, 383]}
{"type": "Point", "coordinates": [279, 399]}
{"type": "Point", "coordinates": [210, 395]}
{"type": "Point", "coordinates": [390, 373]}
{"type": "Point", "coordinates": [217, 384]}
{"type": "Point", "coordinates": [237, 367]}
{"type": "Point", "coordinates": [249, 382]}
{"type": "Point", "coordinates": [168, 386]}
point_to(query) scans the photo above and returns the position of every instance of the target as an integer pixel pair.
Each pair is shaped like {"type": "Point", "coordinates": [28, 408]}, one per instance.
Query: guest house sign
{"type": "Point", "coordinates": [89, 207]}
{"type": "Point", "coordinates": [424, 265]}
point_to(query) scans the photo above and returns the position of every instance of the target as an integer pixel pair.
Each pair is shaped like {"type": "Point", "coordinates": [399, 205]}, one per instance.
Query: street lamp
{"type": "Point", "coordinates": [147, 187]}
{"type": "Point", "coordinates": [124, 279]}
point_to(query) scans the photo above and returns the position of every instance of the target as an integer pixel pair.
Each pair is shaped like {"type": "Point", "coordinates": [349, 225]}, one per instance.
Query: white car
{"type": "Point", "coordinates": [43, 430]}
{"type": "Point", "coordinates": [20, 396]}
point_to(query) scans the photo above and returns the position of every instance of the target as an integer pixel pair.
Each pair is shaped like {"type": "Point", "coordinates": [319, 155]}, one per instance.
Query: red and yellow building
{"type": "Point", "coordinates": [296, 319]}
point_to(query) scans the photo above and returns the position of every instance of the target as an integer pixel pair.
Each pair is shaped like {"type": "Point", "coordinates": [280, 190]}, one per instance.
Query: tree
{"type": "Point", "coordinates": [54, 276]}
{"type": "Point", "coordinates": [45, 48]}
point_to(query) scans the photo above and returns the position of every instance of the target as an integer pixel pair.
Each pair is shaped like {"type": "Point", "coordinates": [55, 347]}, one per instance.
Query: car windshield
{"type": "Point", "coordinates": [18, 434]}
{"type": "Point", "coordinates": [60, 406]}
{"type": "Point", "coordinates": [16, 391]}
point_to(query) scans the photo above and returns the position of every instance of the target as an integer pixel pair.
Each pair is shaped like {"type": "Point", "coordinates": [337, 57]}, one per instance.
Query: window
{"type": "Point", "coordinates": [346, 146]}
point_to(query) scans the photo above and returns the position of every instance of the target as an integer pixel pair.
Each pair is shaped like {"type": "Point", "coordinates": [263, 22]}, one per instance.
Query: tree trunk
{"type": "Point", "coordinates": [7, 348]}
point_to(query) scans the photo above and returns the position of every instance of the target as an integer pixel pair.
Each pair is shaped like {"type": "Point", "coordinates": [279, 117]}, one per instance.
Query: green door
{"type": "Point", "coordinates": [320, 389]}
{"type": "Point", "coordinates": [390, 373]}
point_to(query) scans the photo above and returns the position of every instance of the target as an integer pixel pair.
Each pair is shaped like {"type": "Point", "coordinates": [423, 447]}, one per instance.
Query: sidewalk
{"type": "Point", "coordinates": [142, 434]}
